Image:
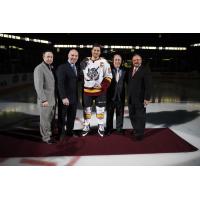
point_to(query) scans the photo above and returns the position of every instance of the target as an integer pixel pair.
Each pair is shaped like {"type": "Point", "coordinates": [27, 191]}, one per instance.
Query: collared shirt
{"type": "Point", "coordinates": [49, 66]}
{"type": "Point", "coordinates": [135, 70]}
{"type": "Point", "coordinates": [118, 72]}
{"type": "Point", "coordinates": [73, 66]}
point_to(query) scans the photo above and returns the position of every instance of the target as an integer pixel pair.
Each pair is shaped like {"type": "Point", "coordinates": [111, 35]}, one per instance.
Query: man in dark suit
{"type": "Point", "coordinates": [139, 94]}
{"type": "Point", "coordinates": [67, 78]}
{"type": "Point", "coordinates": [116, 96]}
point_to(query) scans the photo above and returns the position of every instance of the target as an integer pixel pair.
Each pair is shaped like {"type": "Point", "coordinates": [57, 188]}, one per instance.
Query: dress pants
{"type": "Point", "coordinates": [137, 114]}
{"type": "Point", "coordinates": [111, 106]}
{"type": "Point", "coordinates": [67, 116]}
{"type": "Point", "coordinates": [47, 115]}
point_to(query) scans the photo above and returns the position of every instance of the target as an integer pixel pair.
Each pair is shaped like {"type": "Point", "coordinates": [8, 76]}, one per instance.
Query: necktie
{"type": "Point", "coordinates": [74, 69]}
{"type": "Point", "coordinates": [117, 75]}
{"type": "Point", "coordinates": [134, 71]}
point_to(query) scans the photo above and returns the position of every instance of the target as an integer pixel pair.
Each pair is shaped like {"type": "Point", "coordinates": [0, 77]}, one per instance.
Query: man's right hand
{"type": "Point", "coordinates": [45, 104]}
{"type": "Point", "coordinates": [97, 85]}
{"type": "Point", "coordinates": [65, 101]}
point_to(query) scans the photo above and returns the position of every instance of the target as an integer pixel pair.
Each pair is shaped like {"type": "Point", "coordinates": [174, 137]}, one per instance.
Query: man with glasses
{"type": "Point", "coordinates": [116, 96]}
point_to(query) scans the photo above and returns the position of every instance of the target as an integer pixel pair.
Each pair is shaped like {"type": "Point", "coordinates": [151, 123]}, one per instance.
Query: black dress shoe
{"type": "Point", "coordinates": [69, 133]}
{"type": "Point", "coordinates": [108, 132]}
{"type": "Point", "coordinates": [72, 134]}
{"type": "Point", "coordinates": [139, 137]}
{"type": "Point", "coordinates": [76, 134]}
{"type": "Point", "coordinates": [51, 141]}
{"type": "Point", "coordinates": [57, 137]}
{"type": "Point", "coordinates": [120, 131]}
{"type": "Point", "coordinates": [133, 132]}
{"type": "Point", "coordinates": [62, 136]}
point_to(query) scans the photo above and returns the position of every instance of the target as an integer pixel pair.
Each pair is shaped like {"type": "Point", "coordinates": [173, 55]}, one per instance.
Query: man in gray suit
{"type": "Point", "coordinates": [44, 83]}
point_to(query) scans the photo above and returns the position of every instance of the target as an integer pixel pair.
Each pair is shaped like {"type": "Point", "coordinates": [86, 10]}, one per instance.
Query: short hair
{"type": "Point", "coordinates": [97, 45]}
{"type": "Point", "coordinates": [50, 51]}
{"type": "Point", "coordinates": [136, 54]}
{"type": "Point", "coordinates": [73, 50]}
{"type": "Point", "coordinates": [117, 54]}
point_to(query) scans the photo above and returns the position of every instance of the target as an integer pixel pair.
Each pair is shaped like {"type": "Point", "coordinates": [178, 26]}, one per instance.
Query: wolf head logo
{"type": "Point", "coordinates": [93, 73]}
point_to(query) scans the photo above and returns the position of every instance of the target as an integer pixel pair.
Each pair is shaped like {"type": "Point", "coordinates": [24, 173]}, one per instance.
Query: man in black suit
{"type": "Point", "coordinates": [67, 79]}
{"type": "Point", "coordinates": [116, 96]}
{"type": "Point", "coordinates": [139, 94]}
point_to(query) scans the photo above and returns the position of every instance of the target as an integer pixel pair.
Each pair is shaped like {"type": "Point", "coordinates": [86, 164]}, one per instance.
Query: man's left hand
{"type": "Point", "coordinates": [146, 102]}
{"type": "Point", "coordinates": [97, 85]}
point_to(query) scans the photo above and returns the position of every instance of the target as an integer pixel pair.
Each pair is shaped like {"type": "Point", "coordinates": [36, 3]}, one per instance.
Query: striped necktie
{"type": "Point", "coordinates": [117, 75]}
{"type": "Point", "coordinates": [74, 68]}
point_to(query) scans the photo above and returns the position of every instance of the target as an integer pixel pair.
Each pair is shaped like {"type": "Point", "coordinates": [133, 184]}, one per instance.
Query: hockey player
{"type": "Point", "coordinates": [97, 77]}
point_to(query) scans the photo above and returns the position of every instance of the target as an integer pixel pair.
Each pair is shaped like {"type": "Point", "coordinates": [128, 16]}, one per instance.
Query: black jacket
{"type": "Point", "coordinates": [67, 83]}
{"type": "Point", "coordinates": [140, 85]}
{"type": "Point", "coordinates": [115, 88]}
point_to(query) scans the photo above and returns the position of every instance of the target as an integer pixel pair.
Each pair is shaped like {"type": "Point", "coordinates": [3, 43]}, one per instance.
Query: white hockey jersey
{"type": "Point", "coordinates": [95, 73]}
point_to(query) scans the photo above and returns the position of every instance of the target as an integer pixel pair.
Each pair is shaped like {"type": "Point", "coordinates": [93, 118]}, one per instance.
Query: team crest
{"type": "Point", "coordinates": [93, 74]}
{"type": "Point", "coordinates": [101, 64]}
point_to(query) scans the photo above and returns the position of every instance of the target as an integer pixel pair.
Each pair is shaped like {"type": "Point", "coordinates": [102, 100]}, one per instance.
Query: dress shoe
{"type": "Point", "coordinates": [108, 132]}
{"type": "Point", "coordinates": [62, 136]}
{"type": "Point", "coordinates": [51, 141]}
{"type": "Point", "coordinates": [133, 132]}
{"type": "Point", "coordinates": [120, 131]}
{"type": "Point", "coordinates": [75, 134]}
{"type": "Point", "coordinates": [69, 133]}
{"type": "Point", "coordinates": [139, 137]}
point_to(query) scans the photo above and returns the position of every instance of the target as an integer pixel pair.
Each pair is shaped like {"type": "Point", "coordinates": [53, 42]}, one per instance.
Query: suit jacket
{"type": "Point", "coordinates": [118, 88]}
{"type": "Point", "coordinates": [67, 82]}
{"type": "Point", "coordinates": [139, 86]}
{"type": "Point", "coordinates": [44, 83]}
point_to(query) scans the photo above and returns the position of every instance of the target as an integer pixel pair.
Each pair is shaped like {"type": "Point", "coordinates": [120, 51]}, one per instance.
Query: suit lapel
{"type": "Point", "coordinates": [121, 78]}
{"type": "Point", "coordinates": [137, 72]}
{"type": "Point", "coordinates": [70, 68]}
{"type": "Point", "coordinates": [122, 72]}
{"type": "Point", "coordinates": [114, 74]}
{"type": "Point", "coordinates": [48, 71]}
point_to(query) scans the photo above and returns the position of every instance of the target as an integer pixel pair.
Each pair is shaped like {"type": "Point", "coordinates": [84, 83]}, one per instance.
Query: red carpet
{"type": "Point", "coordinates": [160, 140]}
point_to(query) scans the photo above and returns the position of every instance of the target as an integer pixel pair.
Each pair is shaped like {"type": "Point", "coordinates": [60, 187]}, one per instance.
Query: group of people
{"type": "Point", "coordinates": [102, 83]}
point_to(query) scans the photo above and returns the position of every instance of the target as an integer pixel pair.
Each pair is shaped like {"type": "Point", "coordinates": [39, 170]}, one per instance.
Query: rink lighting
{"type": "Point", "coordinates": [15, 47]}
{"type": "Point", "coordinates": [27, 39]}
{"type": "Point", "coordinates": [195, 45]}
{"type": "Point", "coordinates": [148, 47]}
{"type": "Point", "coordinates": [2, 47]}
{"type": "Point", "coordinates": [166, 59]}
{"type": "Point", "coordinates": [175, 48]}
{"type": "Point", "coordinates": [112, 47]}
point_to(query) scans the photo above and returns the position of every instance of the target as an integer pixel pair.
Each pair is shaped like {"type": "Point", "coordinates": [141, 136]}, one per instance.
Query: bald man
{"type": "Point", "coordinates": [67, 79]}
